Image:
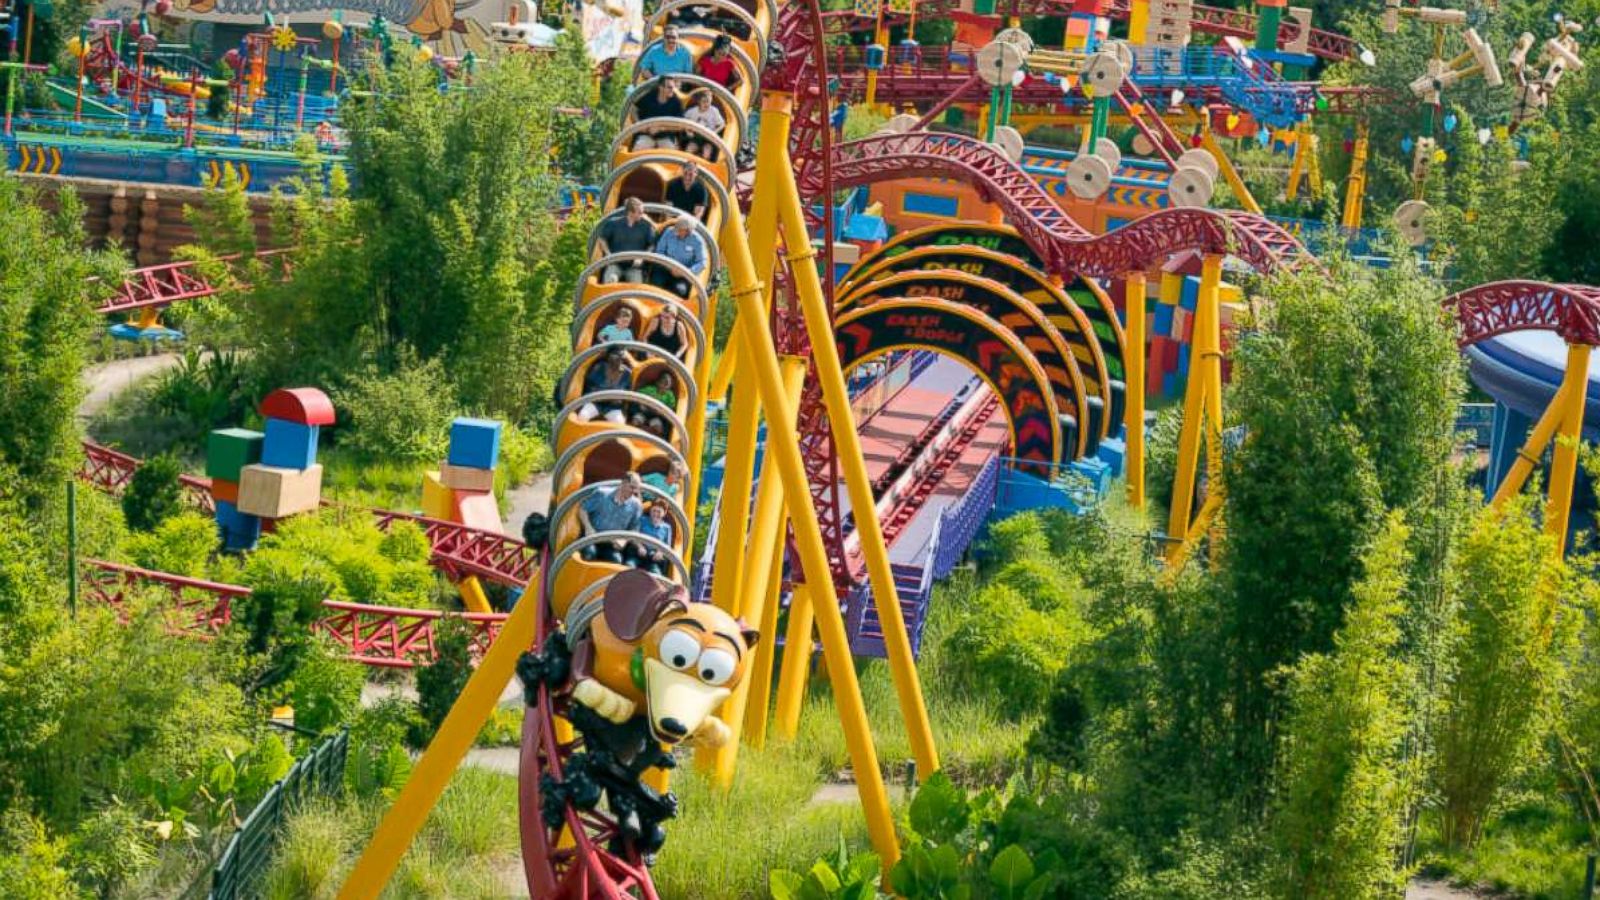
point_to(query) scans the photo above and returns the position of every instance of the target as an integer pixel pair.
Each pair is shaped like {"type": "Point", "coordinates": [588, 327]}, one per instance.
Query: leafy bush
{"type": "Point", "coordinates": [403, 415]}
{"type": "Point", "coordinates": [203, 392]}
{"type": "Point", "coordinates": [953, 851]}
{"type": "Point", "coordinates": [521, 454]}
{"type": "Point", "coordinates": [439, 683]}
{"type": "Point", "coordinates": [154, 494]}
{"type": "Point", "coordinates": [180, 544]}
{"type": "Point", "coordinates": [32, 863]}
{"type": "Point", "coordinates": [378, 764]}
{"type": "Point", "coordinates": [110, 849]}
{"type": "Point", "coordinates": [326, 688]}
{"type": "Point", "coordinates": [1007, 649]}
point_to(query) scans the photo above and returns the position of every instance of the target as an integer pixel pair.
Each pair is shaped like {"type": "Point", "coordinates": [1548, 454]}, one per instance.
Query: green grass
{"type": "Point", "coordinates": [1532, 849]}
{"type": "Point", "coordinates": [723, 844]}
{"type": "Point", "coordinates": [466, 849]}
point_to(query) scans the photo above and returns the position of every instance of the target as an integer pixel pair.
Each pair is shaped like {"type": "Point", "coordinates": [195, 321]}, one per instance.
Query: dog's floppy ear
{"type": "Point", "coordinates": [749, 634]}
{"type": "Point", "coordinates": [635, 600]}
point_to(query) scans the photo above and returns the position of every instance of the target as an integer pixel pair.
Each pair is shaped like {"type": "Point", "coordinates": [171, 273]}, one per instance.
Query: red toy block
{"type": "Point", "coordinates": [225, 491]}
{"type": "Point", "coordinates": [478, 510]}
{"type": "Point", "coordinates": [303, 406]}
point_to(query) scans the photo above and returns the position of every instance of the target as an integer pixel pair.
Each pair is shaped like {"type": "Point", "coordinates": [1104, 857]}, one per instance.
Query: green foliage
{"type": "Point", "coordinates": [1512, 632]}
{"type": "Point", "coordinates": [402, 415]}
{"type": "Point", "coordinates": [109, 850]}
{"type": "Point", "coordinates": [1021, 628]}
{"type": "Point", "coordinates": [1344, 781]}
{"type": "Point", "coordinates": [202, 393]}
{"type": "Point", "coordinates": [308, 860]}
{"type": "Point", "coordinates": [326, 688]}
{"type": "Point", "coordinates": [32, 863]}
{"type": "Point", "coordinates": [1491, 196]}
{"type": "Point", "coordinates": [1348, 397]}
{"type": "Point", "coordinates": [439, 683]}
{"type": "Point", "coordinates": [182, 545]}
{"type": "Point", "coordinates": [378, 764]}
{"type": "Point", "coordinates": [583, 142]}
{"type": "Point", "coordinates": [855, 880]}
{"type": "Point", "coordinates": [46, 314]}
{"type": "Point", "coordinates": [154, 494]}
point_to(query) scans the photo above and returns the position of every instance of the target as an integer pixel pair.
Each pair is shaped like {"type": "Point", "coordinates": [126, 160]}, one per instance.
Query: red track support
{"type": "Point", "coordinates": [1570, 310]}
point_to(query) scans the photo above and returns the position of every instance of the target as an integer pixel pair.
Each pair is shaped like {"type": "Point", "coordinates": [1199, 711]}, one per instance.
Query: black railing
{"type": "Point", "coordinates": [319, 773]}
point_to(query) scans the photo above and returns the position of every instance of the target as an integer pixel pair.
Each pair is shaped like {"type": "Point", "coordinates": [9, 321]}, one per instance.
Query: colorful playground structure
{"type": "Point", "coordinates": [933, 327]}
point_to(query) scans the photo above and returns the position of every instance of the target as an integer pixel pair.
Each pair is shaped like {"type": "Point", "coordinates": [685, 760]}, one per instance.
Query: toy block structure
{"type": "Point", "coordinates": [258, 477]}
{"type": "Point", "coordinates": [461, 490]}
{"type": "Point", "coordinates": [1169, 31]}
{"type": "Point", "coordinates": [273, 492]}
{"type": "Point", "coordinates": [1169, 322]}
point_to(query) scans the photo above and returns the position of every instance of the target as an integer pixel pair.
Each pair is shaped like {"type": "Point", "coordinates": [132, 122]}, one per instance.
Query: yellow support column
{"type": "Point", "coordinates": [1355, 188]}
{"type": "Point", "coordinates": [722, 377]}
{"type": "Point", "coordinates": [456, 736]}
{"type": "Point", "coordinates": [1205, 366]}
{"type": "Point", "coordinates": [1533, 447]}
{"type": "Point", "coordinates": [847, 444]}
{"type": "Point", "coordinates": [765, 532]}
{"type": "Point", "coordinates": [1229, 173]}
{"type": "Point", "coordinates": [772, 170]}
{"type": "Point", "coordinates": [728, 568]}
{"type": "Point", "coordinates": [1134, 301]}
{"type": "Point", "coordinates": [1564, 458]}
{"type": "Point", "coordinates": [758, 680]}
{"type": "Point", "coordinates": [796, 664]}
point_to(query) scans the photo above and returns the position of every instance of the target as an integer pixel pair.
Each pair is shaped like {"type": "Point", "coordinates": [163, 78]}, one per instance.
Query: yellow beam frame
{"type": "Point", "coordinates": [852, 464]}
{"type": "Point", "coordinates": [1202, 409]}
{"type": "Point", "coordinates": [797, 650]}
{"type": "Point", "coordinates": [1133, 355]}
{"type": "Point", "coordinates": [1355, 187]}
{"type": "Point", "coordinates": [762, 575]}
{"type": "Point", "coordinates": [783, 442]}
{"type": "Point", "coordinates": [1562, 422]}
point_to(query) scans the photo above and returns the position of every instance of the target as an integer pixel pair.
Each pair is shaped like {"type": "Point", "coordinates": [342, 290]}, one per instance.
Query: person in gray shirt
{"type": "Point", "coordinates": [613, 509]}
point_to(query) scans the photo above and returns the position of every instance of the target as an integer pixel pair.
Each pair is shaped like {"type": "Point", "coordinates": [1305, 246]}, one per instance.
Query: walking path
{"type": "Point", "coordinates": [106, 380]}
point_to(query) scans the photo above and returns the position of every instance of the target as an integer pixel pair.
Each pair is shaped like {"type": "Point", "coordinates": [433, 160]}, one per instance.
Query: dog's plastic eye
{"type": "Point", "coordinates": [679, 649]}
{"type": "Point", "coordinates": [716, 666]}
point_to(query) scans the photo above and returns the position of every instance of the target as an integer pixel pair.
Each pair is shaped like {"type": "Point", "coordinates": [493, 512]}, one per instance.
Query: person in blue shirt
{"type": "Point", "coordinates": [620, 329]}
{"type": "Point", "coordinates": [670, 57]}
{"type": "Point", "coordinates": [655, 525]}
{"type": "Point", "coordinates": [612, 509]}
{"type": "Point", "coordinates": [683, 244]}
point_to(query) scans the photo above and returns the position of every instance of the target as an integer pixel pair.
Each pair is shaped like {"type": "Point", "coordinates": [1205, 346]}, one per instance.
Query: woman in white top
{"type": "Point", "coordinates": [704, 112]}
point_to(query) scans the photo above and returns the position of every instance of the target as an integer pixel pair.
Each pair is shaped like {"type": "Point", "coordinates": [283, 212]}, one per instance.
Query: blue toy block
{"type": "Point", "coordinates": [1189, 294]}
{"type": "Point", "coordinates": [1111, 451]}
{"type": "Point", "coordinates": [239, 531]}
{"type": "Point", "coordinates": [1162, 320]}
{"type": "Point", "coordinates": [289, 445]}
{"type": "Point", "coordinates": [866, 228]}
{"type": "Point", "coordinates": [1098, 473]}
{"type": "Point", "coordinates": [475, 443]}
{"type": "Point", "coordinates": [1170, 384]}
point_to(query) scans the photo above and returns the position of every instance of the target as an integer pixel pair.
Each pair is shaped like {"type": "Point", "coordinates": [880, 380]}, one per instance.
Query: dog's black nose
{"type": "Point", "coordinates": [672, 726]}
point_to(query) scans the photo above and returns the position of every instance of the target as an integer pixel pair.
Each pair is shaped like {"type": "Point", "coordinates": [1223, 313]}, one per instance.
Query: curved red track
{"type": "Point", "coordinates": [1063, 243]}
{"type": "Point", "coordinates": [1570, 310]}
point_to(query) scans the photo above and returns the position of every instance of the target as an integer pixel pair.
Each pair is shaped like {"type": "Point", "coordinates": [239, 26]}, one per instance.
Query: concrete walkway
{"type": "Point", "coordinates": [106, 380]}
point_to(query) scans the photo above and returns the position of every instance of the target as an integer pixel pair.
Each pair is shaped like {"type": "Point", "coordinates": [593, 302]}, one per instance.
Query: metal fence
{"type": "Point", "coordinates": [319, 773]}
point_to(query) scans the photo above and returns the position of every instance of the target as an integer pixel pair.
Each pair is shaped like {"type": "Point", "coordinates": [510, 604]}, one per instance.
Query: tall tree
{"type": "Point", "coordinates": [45, 320]}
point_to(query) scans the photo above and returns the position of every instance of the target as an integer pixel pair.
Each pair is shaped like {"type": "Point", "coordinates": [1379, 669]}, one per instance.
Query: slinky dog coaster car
{"type": "Point", "coordinates": [645, 650]}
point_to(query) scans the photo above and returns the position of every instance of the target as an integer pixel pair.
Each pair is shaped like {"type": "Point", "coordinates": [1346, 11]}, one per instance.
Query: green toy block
{"type": "Point", "coordinates": [228, 450]}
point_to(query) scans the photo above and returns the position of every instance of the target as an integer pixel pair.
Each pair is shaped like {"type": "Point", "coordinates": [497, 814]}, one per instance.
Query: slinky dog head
{"type": "Point", "coordinates": [676, 660]}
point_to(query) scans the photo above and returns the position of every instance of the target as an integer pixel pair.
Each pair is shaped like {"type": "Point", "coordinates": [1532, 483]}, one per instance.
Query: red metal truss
{"type": "Point", "coordinates": [1570, 310]}
{"type": "Point", "coordinates": [459, 551]}
{"type": "Point", "coordinates": [1064, 245]}
{"type": "Point", "coordinates": [382, 636]}
{"type": "Point", "coordinates": [156, 286]}
{"type": "Point", "coordinates": [1204, 19]}
{"type": "Point", "coordinates": [203, 608]}
{"type": "Point", "coordinates": [391, 637]}
{"type": "Point", "coordinates": [110, 471]}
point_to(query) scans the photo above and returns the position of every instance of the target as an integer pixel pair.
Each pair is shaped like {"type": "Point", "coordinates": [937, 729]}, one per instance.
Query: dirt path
{"type": "Point", "coordinates": [106, 380]}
